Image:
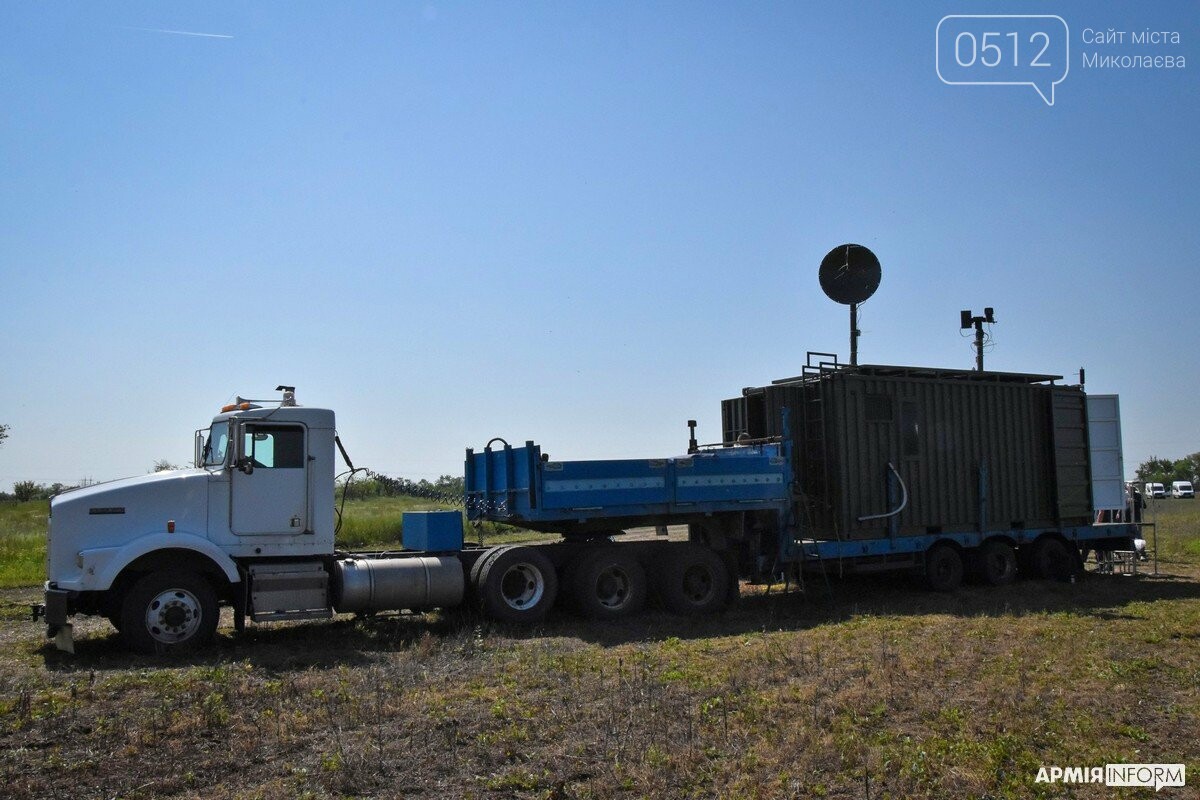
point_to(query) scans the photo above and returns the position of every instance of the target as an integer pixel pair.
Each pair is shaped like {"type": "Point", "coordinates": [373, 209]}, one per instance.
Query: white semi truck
{"type": "Point", "coordinates": [252, 524]}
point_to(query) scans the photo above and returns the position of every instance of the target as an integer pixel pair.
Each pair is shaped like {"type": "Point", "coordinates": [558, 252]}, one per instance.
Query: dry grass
{"type": "Point", "coordinates": [880, 690]}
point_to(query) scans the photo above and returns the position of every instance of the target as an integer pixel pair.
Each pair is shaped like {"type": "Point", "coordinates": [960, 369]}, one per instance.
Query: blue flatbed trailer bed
{"type": "Point", "coordinates": [516, 486]}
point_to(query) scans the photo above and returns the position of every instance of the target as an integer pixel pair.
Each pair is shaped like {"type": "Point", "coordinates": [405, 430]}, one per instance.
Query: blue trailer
{"type": "Point", "coordinates": [994, 480]}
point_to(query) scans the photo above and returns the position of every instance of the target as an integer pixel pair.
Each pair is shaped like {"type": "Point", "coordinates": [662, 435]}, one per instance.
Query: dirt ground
{"type": "Point", "coordinates": [859, 688]}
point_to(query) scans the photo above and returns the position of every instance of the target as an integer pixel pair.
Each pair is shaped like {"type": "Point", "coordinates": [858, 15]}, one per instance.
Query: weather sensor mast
{"type": "Point", "coordinates": [850, 274]}
{"type": "Point", "coordinates": [966, 322]}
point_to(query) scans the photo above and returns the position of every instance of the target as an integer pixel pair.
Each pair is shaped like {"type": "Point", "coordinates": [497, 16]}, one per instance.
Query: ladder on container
{"type": "Point", "coordinates": [814, 425]}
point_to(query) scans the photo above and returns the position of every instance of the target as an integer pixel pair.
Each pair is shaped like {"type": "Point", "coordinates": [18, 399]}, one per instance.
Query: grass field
{"type": "Point", "coordinates": [23, 543]}
{"type": "Point", "coordinates": [863, 689]}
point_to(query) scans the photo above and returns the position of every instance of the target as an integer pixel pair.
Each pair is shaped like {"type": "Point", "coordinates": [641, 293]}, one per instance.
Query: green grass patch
{"type": "Point", "coordinates": [377, 523]}
{"type": "Point", "coordinates": [1178, 528]}
{"type": "Point", "coordinates": [23, 543]}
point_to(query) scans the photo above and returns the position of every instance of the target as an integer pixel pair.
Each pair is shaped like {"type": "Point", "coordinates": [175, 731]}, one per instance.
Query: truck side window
{"type": "Point", "coordinates": [275, 446]}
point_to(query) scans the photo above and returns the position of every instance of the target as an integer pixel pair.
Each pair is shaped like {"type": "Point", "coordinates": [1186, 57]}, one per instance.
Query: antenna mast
{"type": "Point", "coordinates": [849, 274]}
{"type": "Point", "coordinates": [966, 322]}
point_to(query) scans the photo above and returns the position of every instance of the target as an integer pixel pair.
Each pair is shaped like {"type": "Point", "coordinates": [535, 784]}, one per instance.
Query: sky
{"type": "Point", "coordinates": [577, 223]}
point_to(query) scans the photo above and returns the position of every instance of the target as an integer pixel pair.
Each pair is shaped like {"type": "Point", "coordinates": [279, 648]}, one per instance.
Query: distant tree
{"type": "Point", "coordinates": [3, 433]}
{"type": "Point", "coordinates": [162, 465]}
{"type": "Point", "coordinates": [449, 484]}
{"type": "Point", "coordinates": [1156, 470]}
{"type": "Point", "coordinates": [25, 491]}
{"type": "Point", "coordinates": [1188, 468]}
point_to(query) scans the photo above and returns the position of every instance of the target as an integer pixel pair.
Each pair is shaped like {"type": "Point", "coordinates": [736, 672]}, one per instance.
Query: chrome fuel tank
{"type": "Point", "coordinates": [380, 584]}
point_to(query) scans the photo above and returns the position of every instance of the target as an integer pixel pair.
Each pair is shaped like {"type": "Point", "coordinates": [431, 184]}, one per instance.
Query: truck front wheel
{"type": "Point", "coordinates": [168, 611]}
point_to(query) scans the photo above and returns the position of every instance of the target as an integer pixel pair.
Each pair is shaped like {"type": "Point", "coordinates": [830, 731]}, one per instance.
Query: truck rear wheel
{"type": "Point", "coordinates": [517, 584]}
{"type": "Point", "coordinates": [1051, 558]}
{"type": "Point", "coordinates": [694, 580]}
{"type": "Point", "coordinates": [997, 563]}
{"type": "Point", "coordinates": [168, 611]}
{"type": "Point", "coordinates": [607, 583]}
{"type": "Point", "coordinates": [943, 568]}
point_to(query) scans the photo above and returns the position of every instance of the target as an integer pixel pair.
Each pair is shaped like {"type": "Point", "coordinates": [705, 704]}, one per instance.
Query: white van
{"type": "Point", "coordinates": [1183, 489]}
{"type": "Point", "coordinates": [1155, 491]}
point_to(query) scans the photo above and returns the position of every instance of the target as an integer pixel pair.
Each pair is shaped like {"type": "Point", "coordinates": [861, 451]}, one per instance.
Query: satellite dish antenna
{"type": "Point", "coordinates": [850, 274]}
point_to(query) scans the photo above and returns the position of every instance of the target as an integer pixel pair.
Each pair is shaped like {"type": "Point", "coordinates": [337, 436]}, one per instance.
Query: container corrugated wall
{"type": "Point", "coordinates": [1025, 442]}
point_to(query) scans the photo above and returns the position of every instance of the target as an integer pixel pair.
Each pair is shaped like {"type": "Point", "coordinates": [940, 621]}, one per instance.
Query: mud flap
{"type": "Point", "coordinates": [64, 638]}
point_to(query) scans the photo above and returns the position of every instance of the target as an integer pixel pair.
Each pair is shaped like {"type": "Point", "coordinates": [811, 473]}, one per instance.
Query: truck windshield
{"type": "Point", "coordinates": [216, 444]}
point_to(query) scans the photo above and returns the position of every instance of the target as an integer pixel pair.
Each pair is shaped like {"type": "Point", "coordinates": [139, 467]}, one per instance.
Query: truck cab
{"type": "Point", "coordinates": [156, 554]}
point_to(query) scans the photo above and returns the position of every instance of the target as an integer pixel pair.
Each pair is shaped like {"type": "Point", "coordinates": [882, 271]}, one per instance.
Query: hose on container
{"type": "Point", "coordinates": [903, 499]}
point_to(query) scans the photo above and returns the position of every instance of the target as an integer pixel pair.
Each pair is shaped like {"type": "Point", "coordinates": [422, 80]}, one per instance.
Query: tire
{"type": "Point", "coordinates": [1052, 559]}
{"type": "Point", "coordinates": [997, 563]}
{"type": "Point", "coordinates": [943, 568]}
{"type": "Point", "coordinates": [695, 581]}
{"type": "Point", "coordinates": [169, 611]}
{"type": "Point", "coordinates": [481, 562]}
{"type": "Point", "coordinates": [517, 584]}
{"type": "Point", "coordinates": [607, 583]}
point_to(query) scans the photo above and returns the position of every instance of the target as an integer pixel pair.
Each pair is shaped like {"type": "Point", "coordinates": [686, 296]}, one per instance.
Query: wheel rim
{"type": "Point", "coordinates": [173, 616]}
{"type": "Point", "coordinates": [697, 583]}
{"type": "Point", "coordinates": [612, 587]}
{"type": "Point", "coordinates": [522, 586]}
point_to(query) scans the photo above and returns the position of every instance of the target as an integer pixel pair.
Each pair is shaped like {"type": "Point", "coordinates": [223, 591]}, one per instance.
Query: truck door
{"type": "Point", "coordinates": [272, 498]}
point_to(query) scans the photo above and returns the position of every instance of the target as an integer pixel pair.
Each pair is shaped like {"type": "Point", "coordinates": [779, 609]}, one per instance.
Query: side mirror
{"type": "Point", "coordinates": [245, 464]}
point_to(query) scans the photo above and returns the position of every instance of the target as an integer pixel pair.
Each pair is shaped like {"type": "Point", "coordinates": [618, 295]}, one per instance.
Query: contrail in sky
{"type": "Point", "coordinates": [180, 33]}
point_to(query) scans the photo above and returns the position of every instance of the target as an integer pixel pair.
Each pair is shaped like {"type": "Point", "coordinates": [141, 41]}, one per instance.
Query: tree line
{"type": "Point", "coordinates": [1166, 471]}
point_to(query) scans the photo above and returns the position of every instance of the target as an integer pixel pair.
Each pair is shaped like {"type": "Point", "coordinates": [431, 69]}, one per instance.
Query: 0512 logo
{"type": "Point", "coordinates": [1003, 50]}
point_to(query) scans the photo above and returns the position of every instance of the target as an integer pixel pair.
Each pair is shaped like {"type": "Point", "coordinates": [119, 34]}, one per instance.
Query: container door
{"type": "Point", "coordinates": [1108, 463]}
{"type": "Point", "coordinates": [1071, 456]}
{"type": "Point", "coordinates": [273, 498]}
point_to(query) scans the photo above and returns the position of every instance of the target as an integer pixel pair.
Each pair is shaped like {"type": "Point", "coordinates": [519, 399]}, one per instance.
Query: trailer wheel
{"type": "Point", "coordinates": [997, 563]}
{"type": "Point", "coordinates": [517, 584]}
{"type": "Point", "coordinates": [1052, 559]}
{"type": "Point", "coordinates": [695, 581]}
{"type": "Point", "coordinates": [607, 583]}
{"type": "Point", "coordinates": [943, 568]}
{"type": "Point", "coordinates": [168, 611]}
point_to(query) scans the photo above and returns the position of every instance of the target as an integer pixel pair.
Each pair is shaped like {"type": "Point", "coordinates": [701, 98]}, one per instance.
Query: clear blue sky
{"type": "Point", "coordinates": [580, 223]}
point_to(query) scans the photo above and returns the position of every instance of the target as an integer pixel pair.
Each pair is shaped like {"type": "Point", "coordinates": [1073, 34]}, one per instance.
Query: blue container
{"type": "Point", "coordinates": [437, 531]}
